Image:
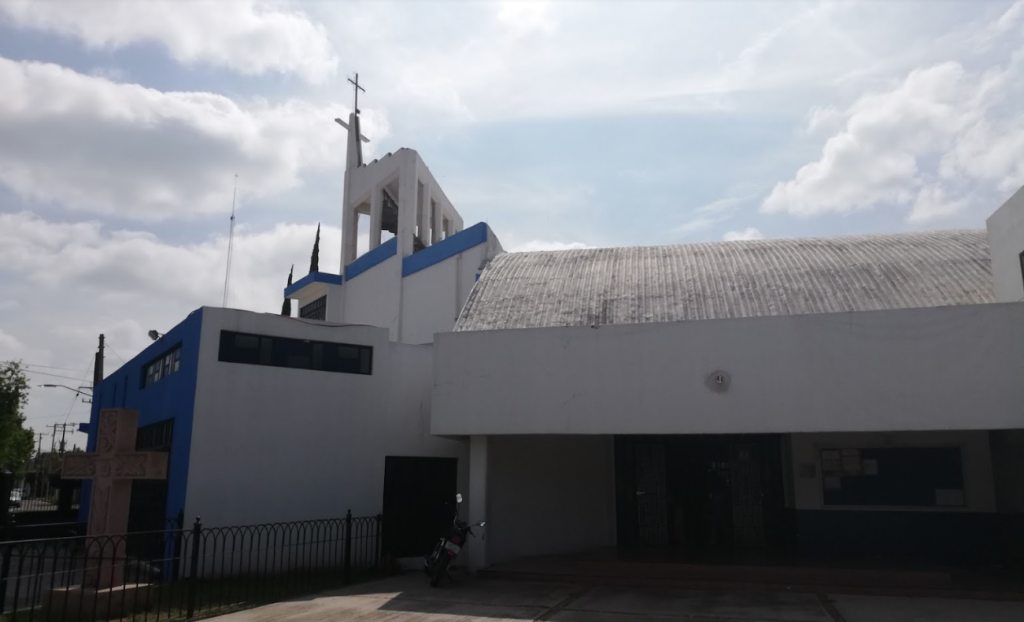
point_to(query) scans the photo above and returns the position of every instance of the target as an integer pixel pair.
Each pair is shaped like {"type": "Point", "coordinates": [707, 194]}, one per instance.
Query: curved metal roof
{"type": "Point", "coordinates": [730, 280]}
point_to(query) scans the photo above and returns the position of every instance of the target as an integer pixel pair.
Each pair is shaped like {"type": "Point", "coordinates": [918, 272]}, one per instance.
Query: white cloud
{"type": "Point", "coordinates": [874, 159]}
{"type": "Point", "coordinates": [749, 233]}
{"type": "Point", "coordinates": [933, 201]}
{"type": "Point", "coordinates": [523, 17]}
{"type": "Point", "coordinates": [83, 279]}
{"type": "Point", "coordinates": [942, 122]}
{"type": "Point", "coordinates": [98, 146]}
{"type": "Point", "coordinates": [720, 206]}
{"type": "Point", "coordinates": [938, 143]}
{"type": "Point", "coordinates": [696, 225]}
{"type": "Point", "coordinates": [523, 195]}
{"type": "Point", "coordinates": [136, 266]}
{"type": "Point", "coordinates": [824, 119]}
{"type": "Point", "coordinates": [12, 349]}
{"type": "Point", "coordinates": [523, 59]}
{"type": "Point", "coordinates": [547, 245]}
{"type": "Point", "coordinates": [248, 36]}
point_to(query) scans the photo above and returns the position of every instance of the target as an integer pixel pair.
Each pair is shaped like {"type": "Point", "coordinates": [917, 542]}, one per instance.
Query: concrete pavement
{"type": "Point", "coordinates": [408, 598]}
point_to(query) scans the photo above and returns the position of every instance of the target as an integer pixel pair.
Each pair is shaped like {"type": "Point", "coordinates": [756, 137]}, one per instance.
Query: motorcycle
{"type": "Point", "coordinates": [440, 562]}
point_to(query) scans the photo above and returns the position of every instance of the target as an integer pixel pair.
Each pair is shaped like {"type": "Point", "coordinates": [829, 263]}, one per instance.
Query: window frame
{"type": "Point", "coordinates": [318, 306]}
{"type": "Point", "coordinates": [292, 353]}
{"type": "Point", "coordinates": [160, 367]}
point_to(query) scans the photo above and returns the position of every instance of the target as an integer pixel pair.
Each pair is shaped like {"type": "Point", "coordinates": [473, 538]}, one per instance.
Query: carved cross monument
{"type": "Point", "coordinates": [112, 469]}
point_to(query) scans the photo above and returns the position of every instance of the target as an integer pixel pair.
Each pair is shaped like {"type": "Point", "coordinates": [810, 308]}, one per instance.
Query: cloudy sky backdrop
{"type": "Point", "coordinates": [562, 124]}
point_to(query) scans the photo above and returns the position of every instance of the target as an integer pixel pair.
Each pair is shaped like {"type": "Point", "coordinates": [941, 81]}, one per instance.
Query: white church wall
{"type": "Point", "coordinates": [434, 296]}
{"type": "Point", "coordinates": [274, 444]}
{"type": "Point", "coordinates": [1006, 241]}
{"type": "Point", "coordinates": [549, 494]}
{"type": "Point", "coordinates": [919, 369]}
{"type": "Point", "coordinates": [364, 179]}
{"type": "Point", "coordinates": [374, 296]}
{"type": "Point", "coordinates": [979, 486]}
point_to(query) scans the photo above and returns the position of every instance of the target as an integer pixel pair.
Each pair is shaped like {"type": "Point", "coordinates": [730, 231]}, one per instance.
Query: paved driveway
{"type": "Point", "coordinates": [409, 599]}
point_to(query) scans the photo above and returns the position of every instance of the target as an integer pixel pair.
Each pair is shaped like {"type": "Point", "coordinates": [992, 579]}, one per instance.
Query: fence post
{"type": "Point", "coordinates": [6, 485]}
{"type": "Point", "coordinates": [193, 579]}
{"type": "Point", "coordinates": [179, 535]}
{"type": "Point", "coordinates": [376, 551]}
{"type": "Point", "coordinates": [5, 558]}
{"type": "Point", "coordinates": [348, 547]}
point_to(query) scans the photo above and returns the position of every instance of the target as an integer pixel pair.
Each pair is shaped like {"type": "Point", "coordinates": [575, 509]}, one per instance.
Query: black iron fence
{"type": "Point", "coordinates": [179, 573]}
{"type": "Point", "coordinates": [47, 495]}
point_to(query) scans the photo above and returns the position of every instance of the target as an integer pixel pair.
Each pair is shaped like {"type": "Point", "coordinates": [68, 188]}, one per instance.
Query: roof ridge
{"type": "Point", "coordinates": [845, 237]}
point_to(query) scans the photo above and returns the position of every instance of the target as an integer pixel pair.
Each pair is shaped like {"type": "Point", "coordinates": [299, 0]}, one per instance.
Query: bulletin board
{"type": "Point", "coordinates": [893, 477]}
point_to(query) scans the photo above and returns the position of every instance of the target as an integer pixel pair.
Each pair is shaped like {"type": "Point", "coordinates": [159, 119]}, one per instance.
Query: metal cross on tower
{"type": "Point", "coordinates": [356, 88]}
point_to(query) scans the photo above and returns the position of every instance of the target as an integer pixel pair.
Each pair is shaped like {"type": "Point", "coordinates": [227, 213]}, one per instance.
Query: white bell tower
{"type": "Point", "coordinates": [420, 264]}
{"type": "Point", "coordinates": [397, 193]}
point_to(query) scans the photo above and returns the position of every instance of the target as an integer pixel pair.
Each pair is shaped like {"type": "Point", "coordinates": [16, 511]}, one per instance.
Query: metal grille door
{"type": "Point", "coordinates": [747, 514]}
{"type": "Point", "coordinates": [652, 515]}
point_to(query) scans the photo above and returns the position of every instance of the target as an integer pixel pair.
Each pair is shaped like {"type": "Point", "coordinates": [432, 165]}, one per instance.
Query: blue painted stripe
{"type": "Point", "coordinates": [449, 247]}
{"type": "Point", "coordinates": [371, 259]}
{"type": "Point", "coordinates": [312, 277]}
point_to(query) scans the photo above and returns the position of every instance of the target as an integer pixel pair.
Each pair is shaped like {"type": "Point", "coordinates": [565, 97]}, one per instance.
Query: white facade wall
{"type": "Point", "coordinates": [435, 296]}
{"type": "Point", "coordinates": [374, 297]}
{"type": "Point", "coordinates": [920, 369]}
{"type": "Point", "coordinates": [979, 487]}
{"type": "Point", "coordinates": [273, 444]}
{"type": "Point", "coordinates": [1006, 241]}
{"type": "Point", "coordinates": [548, 495]}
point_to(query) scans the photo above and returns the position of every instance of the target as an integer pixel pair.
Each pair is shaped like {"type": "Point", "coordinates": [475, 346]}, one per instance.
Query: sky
{"type": "Point", "coordinates": [561, 124]}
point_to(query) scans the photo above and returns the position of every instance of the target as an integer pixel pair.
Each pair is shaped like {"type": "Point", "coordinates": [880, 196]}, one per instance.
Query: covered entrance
{"type": "Point", "coordinates": [698, 497]}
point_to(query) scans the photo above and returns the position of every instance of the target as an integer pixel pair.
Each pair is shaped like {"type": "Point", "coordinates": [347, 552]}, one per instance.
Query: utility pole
{"type": "Point", "coordinates": [97, 368]}
{"type": "Point", "coordinates": [63, 430]}
{"type": "Point", "coordinates": [39, 451]}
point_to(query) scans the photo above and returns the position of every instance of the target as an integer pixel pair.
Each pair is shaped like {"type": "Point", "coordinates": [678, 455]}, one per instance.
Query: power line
{"type": "Point", "coordinates": [74, 400]}
{"type": "Point", "coordinates": [43, 366]}
{"type": "Point", "coordinates": [114, 351]}
{"type": "Point", "coordinates": [43, 373]}
{"type": "Point", "coordinates": [30, 419]}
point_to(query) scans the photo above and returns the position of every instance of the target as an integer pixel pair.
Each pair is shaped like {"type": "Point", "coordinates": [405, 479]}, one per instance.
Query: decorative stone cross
{"type": "Point", "coordinates": [112, 469]}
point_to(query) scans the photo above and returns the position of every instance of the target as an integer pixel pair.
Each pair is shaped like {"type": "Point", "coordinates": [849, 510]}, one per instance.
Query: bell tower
{"type": "Point", "coordinates": [397, 193]}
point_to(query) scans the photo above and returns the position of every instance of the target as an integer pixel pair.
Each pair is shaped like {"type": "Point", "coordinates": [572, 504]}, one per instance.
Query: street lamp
{"type": "Point", "coordinates": [64, 386]}
{"type": "Point", "coordinates": [154, 335]}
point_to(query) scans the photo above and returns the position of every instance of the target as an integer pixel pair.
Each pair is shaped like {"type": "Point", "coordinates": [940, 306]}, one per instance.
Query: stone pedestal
{"type": "Point", "coordinates": [77, 602]}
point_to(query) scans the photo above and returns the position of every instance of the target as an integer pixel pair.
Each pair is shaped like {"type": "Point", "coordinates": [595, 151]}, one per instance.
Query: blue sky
{"type": "Point", "coordinates": [561, 124]}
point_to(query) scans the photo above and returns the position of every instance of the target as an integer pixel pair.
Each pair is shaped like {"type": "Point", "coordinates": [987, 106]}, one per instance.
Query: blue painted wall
{"type": "Point", "coordinates": [173, 397]}
{"type": "Point", "coordinates": [370, 259]}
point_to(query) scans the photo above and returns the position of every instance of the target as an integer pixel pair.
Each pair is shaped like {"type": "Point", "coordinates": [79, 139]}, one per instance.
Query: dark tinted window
{"type": "Point", "coordinates": [316, 310]}
{"type": "Point", "coordinates": [295, 353]}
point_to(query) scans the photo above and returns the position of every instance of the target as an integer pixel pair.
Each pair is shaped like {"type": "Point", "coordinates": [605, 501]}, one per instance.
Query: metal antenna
{"type": "Point", "coordinates": [231, 241]}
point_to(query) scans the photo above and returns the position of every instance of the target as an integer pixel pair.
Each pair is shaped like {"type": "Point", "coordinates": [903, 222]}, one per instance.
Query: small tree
{"type": "Point", "coordinates": [15, 438]}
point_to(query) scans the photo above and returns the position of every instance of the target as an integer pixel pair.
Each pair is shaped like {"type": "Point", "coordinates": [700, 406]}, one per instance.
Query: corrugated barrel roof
{"type": "Point", "coordinates": [730, 280]}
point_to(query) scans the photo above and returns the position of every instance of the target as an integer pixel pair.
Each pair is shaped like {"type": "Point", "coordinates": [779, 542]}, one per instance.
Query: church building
{"type": "Point", "coordinates": [825, 398]}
